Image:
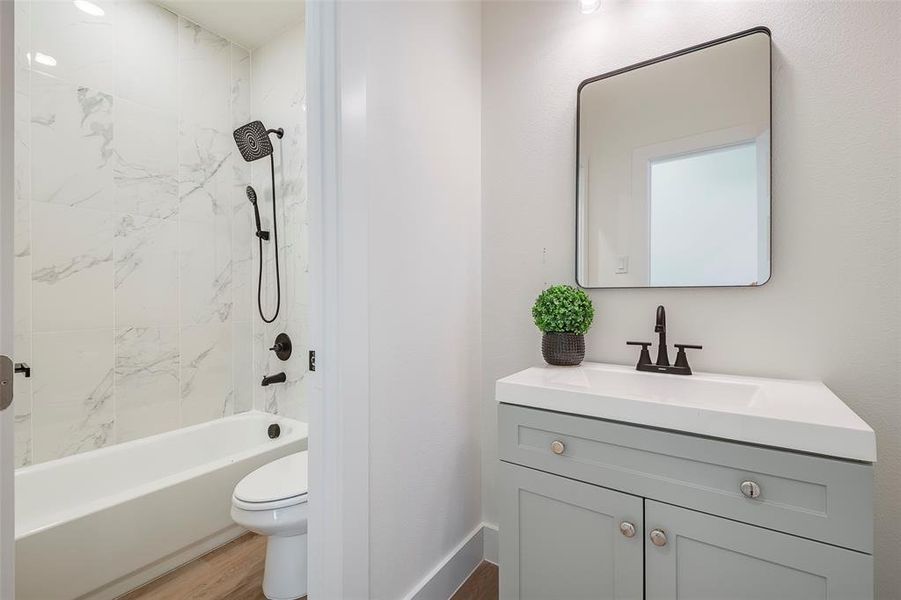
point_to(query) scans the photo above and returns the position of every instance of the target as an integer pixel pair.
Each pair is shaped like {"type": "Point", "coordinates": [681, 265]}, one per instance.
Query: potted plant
{"type": "Point", "coordinates": [563, 314]}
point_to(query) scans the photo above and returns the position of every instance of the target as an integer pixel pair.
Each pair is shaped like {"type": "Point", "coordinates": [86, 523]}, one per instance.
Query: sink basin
{"type": "Point", "coordinates": [796, 415]}
{"type": "Point", "coordinates": [671, 389]}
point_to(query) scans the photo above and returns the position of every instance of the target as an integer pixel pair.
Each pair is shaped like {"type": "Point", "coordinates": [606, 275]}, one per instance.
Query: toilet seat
{"type": "Point", "coordinates": [279, 484]}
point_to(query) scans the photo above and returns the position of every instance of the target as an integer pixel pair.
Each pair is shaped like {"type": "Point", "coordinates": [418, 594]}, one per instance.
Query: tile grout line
{"type": "Point", "coordinates": [30, 166]}
{"type": "Point", "coordinates": [113, 111]}
{"type": "Point", "coordinates": [178, 235]}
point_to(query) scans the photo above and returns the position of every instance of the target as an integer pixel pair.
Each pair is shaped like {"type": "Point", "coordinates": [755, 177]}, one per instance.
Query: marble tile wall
{"type": "Point", "coordinates": [279, 101]}
{"type": "Point", "coordinates": [134, 271]}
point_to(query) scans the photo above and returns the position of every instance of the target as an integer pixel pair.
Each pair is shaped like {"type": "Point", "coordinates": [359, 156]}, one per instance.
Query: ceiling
{"type": "Point", "coordinates": [247, 22]}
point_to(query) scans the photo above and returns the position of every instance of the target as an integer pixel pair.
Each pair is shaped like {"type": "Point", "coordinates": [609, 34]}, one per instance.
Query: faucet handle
{"type": "Point", "coordinates": [681, 358]}
{"type": "Point", "coordinates": [645, 357]}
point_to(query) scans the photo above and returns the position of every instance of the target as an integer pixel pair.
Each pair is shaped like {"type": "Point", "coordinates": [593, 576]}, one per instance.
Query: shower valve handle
{"type": "Point", "coordinates": [282, 346]}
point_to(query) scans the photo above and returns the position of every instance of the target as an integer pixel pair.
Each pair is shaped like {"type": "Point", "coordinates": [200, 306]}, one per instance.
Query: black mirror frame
{"type": "Point", "coordinates": [747, 32]}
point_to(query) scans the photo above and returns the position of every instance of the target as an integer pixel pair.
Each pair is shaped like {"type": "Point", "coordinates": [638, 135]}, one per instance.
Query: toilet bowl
{"type": "Point", "coordinates": [272, 501]}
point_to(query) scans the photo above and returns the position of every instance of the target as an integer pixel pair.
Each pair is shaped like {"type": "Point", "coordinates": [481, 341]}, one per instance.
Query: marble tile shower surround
{"type": "Point", "coordinates": [135, 288]}
{"type": "Point", "coordinates": [279, 101]}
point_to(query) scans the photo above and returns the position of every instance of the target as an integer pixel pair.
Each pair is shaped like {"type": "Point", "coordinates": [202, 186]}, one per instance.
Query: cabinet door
{"type": "Point", "coordinates": [561, 538]}
{"type": "Point", "coordinates": [710, 558]}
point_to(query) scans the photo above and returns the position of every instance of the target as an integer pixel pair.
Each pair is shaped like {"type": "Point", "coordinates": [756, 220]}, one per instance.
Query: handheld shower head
{"type": "Point", "coordinates": [252, 196]}
{"type": "Point", "coordinates": [253, 141]}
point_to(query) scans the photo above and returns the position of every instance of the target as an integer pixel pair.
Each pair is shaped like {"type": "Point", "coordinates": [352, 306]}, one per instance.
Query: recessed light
{"type": "Point", "coordinates": [44, 59]}
{"type": "Point", "coordinates": [89, 7]}
{"type": "Point", "coordinates": [589, 6]}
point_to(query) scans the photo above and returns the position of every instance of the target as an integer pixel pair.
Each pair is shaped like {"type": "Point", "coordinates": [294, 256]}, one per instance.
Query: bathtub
{"type": "Point", "coordinates": [98, 524]}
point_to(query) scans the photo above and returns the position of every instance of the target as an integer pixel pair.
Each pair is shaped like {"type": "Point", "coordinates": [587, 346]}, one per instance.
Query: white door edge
{"type": "Point", "coordinates": [7, 208]}
{"type": "Point", "coordinates": [339, 389]}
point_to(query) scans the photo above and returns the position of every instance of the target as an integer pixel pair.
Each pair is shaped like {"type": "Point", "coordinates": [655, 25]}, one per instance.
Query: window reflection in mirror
{"type": "Point", "coordinates": [674, 170]}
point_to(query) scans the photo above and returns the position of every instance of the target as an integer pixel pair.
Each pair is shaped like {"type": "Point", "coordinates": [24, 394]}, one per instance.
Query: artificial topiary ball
{"type": "Point", "coordinates": [563, 309]}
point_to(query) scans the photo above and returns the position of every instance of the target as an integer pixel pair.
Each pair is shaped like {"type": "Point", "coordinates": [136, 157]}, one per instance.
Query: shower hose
{"type": "Point", "coordinates": [278, 282]}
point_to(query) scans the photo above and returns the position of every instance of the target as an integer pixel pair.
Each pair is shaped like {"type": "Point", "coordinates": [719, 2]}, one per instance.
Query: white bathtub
{"type": "Point", "coordinates": [98, 524]}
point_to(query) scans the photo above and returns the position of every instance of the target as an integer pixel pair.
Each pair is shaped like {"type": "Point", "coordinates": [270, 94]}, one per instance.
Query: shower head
{"type": "Point", "coordinates": [252, 196]}
{"type": "Point", "coordinates": [253, 141]}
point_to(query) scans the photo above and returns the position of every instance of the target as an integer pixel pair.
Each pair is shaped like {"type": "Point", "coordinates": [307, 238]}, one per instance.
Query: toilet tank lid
{"type": "Point", "coordinates": [281, 479]}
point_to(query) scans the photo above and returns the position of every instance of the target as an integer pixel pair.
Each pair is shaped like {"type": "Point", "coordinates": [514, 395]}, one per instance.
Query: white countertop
{"type": "Point", "coordinates": [797, 415]}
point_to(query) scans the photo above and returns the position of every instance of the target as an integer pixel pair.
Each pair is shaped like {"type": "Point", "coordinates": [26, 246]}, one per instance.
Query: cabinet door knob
{"type": "Point", "coordinates": [750, 489]}
{"type": "Point", "coordinates": [658, 537]}
{"type": "Point", "coordinates": [558, 447]}
{"type": "Point", "coordinates": [627, 529]}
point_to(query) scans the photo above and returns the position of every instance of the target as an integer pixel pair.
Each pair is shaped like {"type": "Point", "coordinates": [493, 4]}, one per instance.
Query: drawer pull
{"type": "Point", "coordinates": [750, 489]}
{"type": "Point", "coordinates": [558, 447]}
{"type": "Point", "coordinates": [658, 537]}
{"type": "Point", "coordinates": [627, 529]}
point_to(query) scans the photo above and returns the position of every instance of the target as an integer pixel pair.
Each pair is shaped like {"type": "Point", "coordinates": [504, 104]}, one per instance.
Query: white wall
{"type": "Point", "coordinates": [831, 309]}
{"type": "Point", "coordinates": [418, 112]}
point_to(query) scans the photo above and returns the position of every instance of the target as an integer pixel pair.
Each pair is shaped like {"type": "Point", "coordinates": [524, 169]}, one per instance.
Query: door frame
{"type": "Point", "coordinates": [339, 318]}
{"type": "Point", "coordinates": [7, 208]}
{"type": "Point", "coordinates": [338, 389]}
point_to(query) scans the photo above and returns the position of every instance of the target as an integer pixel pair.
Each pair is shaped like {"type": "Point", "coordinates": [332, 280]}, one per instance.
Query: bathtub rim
{"type": "Point", "coordinates": [299, 432]}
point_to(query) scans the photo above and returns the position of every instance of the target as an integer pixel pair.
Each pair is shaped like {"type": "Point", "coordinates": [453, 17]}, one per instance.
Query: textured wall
{"type": "Point", "coordinates": [831, 310]}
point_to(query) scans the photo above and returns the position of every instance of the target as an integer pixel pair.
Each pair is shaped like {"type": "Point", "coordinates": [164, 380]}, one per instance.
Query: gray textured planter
{"type": "Point", "coordinates": [563, 349]}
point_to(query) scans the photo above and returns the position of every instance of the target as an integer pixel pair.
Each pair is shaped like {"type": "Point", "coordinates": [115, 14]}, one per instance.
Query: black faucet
{"type": "Point", "coordinates": [660, 328]}
{"type": "Point", "coordinates": [663, 365]}
{"type": "Point", "coordinates": [277, 378]}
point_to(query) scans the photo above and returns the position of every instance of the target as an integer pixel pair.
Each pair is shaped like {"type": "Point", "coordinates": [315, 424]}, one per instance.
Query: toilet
{"type": "Point", "coordinates": [272, 501]}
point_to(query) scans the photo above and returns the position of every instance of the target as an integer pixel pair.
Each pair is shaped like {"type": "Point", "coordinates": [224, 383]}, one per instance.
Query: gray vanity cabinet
{"type": "Point", "coordinates": [574, 527]}
{"type": "Point", "coordinates": [706, 557]}
{"type": "Point", "coordinates": [591, 508]}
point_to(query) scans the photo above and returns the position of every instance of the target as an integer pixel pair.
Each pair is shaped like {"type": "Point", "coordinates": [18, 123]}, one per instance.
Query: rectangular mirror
{"type": "Point", "coordinates": [673, 169]}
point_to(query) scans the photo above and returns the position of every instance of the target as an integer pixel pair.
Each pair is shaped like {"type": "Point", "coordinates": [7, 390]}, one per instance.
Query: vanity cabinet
{"type": "Point", "coordinates": [563, 538]}
{"type": "Point", "coordinates": [592, 508]}
{"type": "Point", "coordinates": [703, 556]}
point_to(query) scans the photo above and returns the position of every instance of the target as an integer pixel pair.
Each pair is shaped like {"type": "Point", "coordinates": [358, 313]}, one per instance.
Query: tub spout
{"type": "Point", "coordinates": [277, 378]}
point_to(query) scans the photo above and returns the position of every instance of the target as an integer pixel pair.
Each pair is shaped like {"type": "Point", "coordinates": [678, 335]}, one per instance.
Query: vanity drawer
{"type": "Point", "coordinates": [814, 497]}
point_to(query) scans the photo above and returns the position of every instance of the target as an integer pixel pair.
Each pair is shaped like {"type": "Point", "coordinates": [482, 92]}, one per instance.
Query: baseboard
{"type": "Point", "coordinates": [489, 537]}
{"type": "Point", "coordinates": [445, 579]}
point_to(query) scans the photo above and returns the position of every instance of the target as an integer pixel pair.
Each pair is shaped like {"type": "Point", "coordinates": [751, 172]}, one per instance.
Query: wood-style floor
{"type": "Point", "coordinates": [232, 572]}
{"type": "Point", "coordinates": [481, 585]}
{"type": "Point", "coordinates": [235, 572]}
